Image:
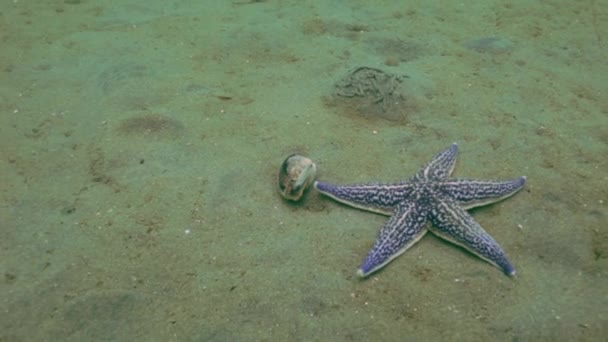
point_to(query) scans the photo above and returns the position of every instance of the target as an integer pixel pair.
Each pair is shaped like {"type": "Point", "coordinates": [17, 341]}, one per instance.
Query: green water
{"type": "Point", "coordinates": [140, 143]}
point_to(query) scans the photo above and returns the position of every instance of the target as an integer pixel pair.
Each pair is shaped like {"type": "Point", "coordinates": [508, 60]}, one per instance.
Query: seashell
{"type": "Point", "coordinates": [295, 176]}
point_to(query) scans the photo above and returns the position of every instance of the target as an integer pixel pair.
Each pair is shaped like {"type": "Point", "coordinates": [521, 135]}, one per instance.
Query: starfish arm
{"type": "Point", "coordinates": [402, 230]}
{"type": "Point", "coordinates": [378, 198]}
{"type": "Point", "coordinates": [441, 166]}
{"type": "Point", "coordinates": [454, 224]}
{"type": "Point", "coordinates": [475, 193]}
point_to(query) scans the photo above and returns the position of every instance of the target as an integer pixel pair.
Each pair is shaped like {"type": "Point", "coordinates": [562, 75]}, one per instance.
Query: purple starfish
{"type": "Point", "coordinates": [428, 196]}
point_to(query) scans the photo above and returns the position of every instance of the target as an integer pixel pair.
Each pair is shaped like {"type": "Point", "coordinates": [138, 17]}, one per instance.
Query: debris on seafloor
{"type": "Point", "coordinates": [491, 45]}
{"type": "Point", "coordinates": [371, 93]}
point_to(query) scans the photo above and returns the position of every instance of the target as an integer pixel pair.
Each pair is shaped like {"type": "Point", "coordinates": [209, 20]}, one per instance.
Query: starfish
{"type": "Point", "coordinates": [428, 196]}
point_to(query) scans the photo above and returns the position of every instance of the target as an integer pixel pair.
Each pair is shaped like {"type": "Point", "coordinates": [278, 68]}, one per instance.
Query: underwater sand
{"type": "Point", "coordinates": [140, 143]}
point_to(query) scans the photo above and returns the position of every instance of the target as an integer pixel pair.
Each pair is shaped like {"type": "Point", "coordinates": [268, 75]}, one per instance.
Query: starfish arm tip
{"type": "Point", "coordinates": [522, 180]}
{"type": "Point", "coordinates": [319, 186]}
{"type": "Point", "coordinates": [508, 269]}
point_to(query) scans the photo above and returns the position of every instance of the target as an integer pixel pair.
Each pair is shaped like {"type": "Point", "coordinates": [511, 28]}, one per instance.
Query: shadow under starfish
{"type": "Point", "coordinates": [428, 196]}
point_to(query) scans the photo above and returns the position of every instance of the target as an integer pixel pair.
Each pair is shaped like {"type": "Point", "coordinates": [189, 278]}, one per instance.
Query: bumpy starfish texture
{"type": "Point", "coordinates": [428, 196]}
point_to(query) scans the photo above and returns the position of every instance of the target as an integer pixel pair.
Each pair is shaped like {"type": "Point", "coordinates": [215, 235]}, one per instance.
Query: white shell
{"type": "Point", "coordinates": [295, 176]}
